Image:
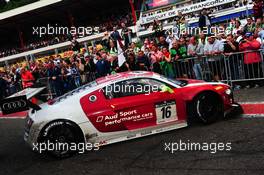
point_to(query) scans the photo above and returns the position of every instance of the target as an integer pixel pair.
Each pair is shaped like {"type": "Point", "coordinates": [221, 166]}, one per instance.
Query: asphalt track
{"type": "Point", "coordinates": [147, 156]}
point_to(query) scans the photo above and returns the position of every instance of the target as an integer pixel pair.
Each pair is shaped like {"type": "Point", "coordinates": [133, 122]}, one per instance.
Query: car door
{"type": "Point", "coordinates": [133, 104]}
{"type": "Point", "coordinates": [144, 106]}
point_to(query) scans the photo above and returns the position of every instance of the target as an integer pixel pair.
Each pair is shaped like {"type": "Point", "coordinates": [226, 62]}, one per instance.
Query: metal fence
{"type": "Point", "coordinates": [236, 68]}
{"type": "Point", "coordinates": [244, 68]}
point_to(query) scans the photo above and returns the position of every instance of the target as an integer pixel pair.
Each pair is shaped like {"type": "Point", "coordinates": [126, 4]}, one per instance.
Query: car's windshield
{"type": "Point", "coordinates": [177, 82]}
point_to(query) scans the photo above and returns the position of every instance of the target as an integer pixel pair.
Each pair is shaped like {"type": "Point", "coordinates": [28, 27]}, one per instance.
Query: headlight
{"type": "Point", "coordinates": [228, 91]}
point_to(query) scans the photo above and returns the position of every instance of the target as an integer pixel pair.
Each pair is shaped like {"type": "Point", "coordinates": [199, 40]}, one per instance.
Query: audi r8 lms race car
{"type": "Point", "coordinates": [125, 106]}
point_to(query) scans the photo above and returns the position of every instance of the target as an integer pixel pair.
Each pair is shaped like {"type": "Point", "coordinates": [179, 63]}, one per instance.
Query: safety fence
{"type": "Point", "coordinates": [245, 68]}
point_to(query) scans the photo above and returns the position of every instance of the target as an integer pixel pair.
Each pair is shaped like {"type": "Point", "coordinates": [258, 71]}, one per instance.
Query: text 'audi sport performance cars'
{"type": "Point", "coordinates": [126, 106]}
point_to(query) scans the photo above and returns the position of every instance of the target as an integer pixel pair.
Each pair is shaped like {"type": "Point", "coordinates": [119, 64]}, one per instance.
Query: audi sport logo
{"type": "Point", "coordinates": [13, 105]}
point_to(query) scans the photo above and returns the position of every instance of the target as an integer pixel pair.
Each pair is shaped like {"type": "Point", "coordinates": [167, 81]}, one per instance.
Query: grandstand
{"type": "Point", "coordinates": [18, 42]}
{"type": "Point", "coordinates": [169, 9]}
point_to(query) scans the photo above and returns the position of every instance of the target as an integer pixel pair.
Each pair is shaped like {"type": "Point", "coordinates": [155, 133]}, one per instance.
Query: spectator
{"type": "Point", "coordinates": [115, 35]}
{"type": "Point", "coordinates": [261, 37]}
{"type": "Point", "coordinates": [75, 45]}
{"type": "Point", "coordinates": [182, 50]}
{"type": "Point", "coordinates": [113, 50]}
{"type": "Point", "coordinates": [55, 75]}
{"type": "Point", "coordinates": [252, 59]}
{"type": "Point", "coordinates": [231, 46]}
{"type": "Point", "coordinates": [162, 42]}
{"type": "Point", "coordinates": [158, 28]}
{"type": "Point", "coordinates": [134, 48]}
{"type": "Point", "coordinates": [250, 26]}
{"type": "Point", "coordinates": [76, 75]}
{"type": "Point", "coordinates": [258, 9]}
{"type": "Point", "coordinates": [146, 45]}
{"type": "Point", "coordinates": [132, 65]}
{"type": "Point", "coordinates": [89, 68]}
{"type": "Point", "coordinates": [142, 61]}
{"type": "Point", "coordinates": [196, 49]}
{"type": "Point", "coordinates": [102, 66]}
{"type": "Point", "coordinates": [205, 20]}
{"type": "Point", "coordinates": [155, 58]}
{"type": "Point", "coordinates": [237, 28]}
{"type": "Point", "coordinates": [213, 49]}
{"type": "Point", "coordinates": [3, 87]}
{"type": "Point", "coordinates": [114, 68]}
{"type": "Point", "coordinates": [174, 50]}
{"type": "Point", "coordinates": [126, 34]}
{"type": "Point", "coordinates": [167, 64]}
{"type": "Point", "coordinates": [27, 78]}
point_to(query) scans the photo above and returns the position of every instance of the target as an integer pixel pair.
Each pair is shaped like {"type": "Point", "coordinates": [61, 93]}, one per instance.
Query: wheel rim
{"type": "Point", "coordinates": [207, 107]}
{"type": "Point", "coordinates": [62, 137]}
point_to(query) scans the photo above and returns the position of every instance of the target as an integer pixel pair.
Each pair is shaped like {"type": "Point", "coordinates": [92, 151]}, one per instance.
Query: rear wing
{"type": "Point", "coordinates": [20, 101]}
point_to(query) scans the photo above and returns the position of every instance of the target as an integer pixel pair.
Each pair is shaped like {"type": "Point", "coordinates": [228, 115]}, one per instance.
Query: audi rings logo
{"type": "Point", "coordinates": [14, 105]}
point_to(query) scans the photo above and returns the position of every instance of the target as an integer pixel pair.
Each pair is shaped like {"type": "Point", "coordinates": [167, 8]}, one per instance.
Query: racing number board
{"type": "Point", "coordinates": [166, 112]}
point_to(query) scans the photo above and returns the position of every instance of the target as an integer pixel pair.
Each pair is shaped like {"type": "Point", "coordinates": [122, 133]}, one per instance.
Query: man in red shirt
{"type": "Point", "coordinates": [252, 59]}
{"type": "Point", "coordinates": [27, 78]}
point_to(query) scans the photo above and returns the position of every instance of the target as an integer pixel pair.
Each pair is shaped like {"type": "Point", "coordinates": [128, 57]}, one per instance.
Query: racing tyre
{"type": "Point", "coordinates": [208, 107]}
{"type": "Point", "coordinates": [59, 138]}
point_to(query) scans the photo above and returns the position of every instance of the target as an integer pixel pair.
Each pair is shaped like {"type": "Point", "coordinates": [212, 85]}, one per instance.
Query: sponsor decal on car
{"type": "Point", "coordinates": [51, 126]}
{"type": "Point", "coordinates": [123, 116]}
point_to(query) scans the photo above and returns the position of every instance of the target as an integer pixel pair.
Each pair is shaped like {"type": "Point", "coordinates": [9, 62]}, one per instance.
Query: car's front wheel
{"type": "Point", "coordinates": [60, 139]}
{"type": "Point", "coordinates": [207, 107]}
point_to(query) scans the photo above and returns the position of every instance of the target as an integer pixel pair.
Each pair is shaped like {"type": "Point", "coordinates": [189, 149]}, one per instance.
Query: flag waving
{"type": "Point", "coordinates": [121, 57]}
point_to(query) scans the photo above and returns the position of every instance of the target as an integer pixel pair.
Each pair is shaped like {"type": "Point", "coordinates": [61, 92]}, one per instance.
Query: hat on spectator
{"type": "Point", "coordinates": [248, 34]}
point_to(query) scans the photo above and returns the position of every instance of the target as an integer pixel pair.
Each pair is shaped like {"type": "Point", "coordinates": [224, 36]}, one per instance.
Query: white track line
{"type": "Point", "coordinates": [247, 116]}
{"type": "Point", "coordinates": [12, 118]}
{"type": "Point", "coordinates": [253, 103]}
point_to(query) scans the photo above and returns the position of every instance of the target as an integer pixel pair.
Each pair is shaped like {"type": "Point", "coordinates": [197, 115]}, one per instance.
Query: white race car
{"type": "Point", "coordinates": [125, 106]}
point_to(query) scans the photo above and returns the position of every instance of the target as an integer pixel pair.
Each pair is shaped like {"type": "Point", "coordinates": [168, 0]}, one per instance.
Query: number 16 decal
{"type": "Point", "coordinates": [166, 112]}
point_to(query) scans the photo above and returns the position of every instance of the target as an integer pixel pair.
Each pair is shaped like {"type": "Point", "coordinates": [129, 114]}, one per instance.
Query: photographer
{"type": "Point", "coordinates": [231, 46]}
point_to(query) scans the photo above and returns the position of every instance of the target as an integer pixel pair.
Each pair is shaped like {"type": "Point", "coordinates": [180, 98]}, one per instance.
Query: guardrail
{"type": "Point", "coordinates": [245, 68]}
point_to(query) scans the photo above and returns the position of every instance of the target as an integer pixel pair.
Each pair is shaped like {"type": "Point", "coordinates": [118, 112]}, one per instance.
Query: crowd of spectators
{"type": "Point", "coordinates": [175, 55]}
{"type": "Point", "coordinates": [106, 23]}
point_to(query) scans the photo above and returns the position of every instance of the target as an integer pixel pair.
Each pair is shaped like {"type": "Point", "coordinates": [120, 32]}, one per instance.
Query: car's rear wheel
{"type": "Point", "coordinates": [208, 107]}
{"type": "Point", "coordinates": [60, 138]}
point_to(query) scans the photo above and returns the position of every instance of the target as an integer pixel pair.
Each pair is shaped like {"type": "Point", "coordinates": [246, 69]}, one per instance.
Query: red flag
{"type": "Point", "coordinates": [133, 11]}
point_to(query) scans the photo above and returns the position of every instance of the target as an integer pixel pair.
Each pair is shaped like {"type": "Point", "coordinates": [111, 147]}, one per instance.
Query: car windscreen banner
{"type": "Point", "coordinates": [14, 105]}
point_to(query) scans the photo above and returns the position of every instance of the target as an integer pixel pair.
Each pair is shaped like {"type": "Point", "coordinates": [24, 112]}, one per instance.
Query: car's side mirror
{"type": "Point", "coordinates": [167, 89]}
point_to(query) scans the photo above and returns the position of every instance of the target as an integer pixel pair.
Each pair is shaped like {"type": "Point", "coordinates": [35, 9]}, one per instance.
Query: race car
{"type": "Point", "coordinates": [126, 106]}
